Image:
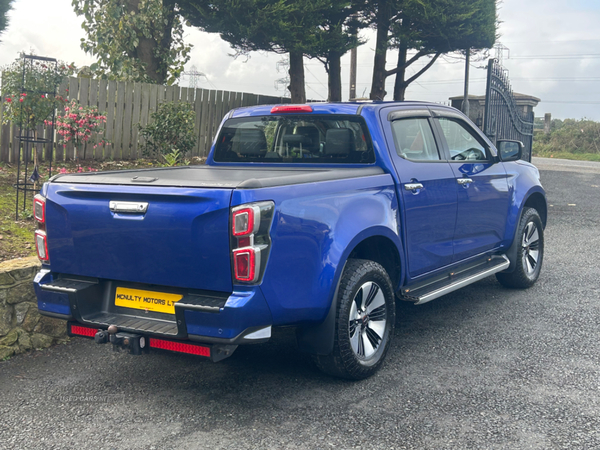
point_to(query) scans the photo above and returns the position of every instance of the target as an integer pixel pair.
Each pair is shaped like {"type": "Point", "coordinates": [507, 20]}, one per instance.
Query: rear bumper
{"type": "Point", "coordinates": [240, 317]}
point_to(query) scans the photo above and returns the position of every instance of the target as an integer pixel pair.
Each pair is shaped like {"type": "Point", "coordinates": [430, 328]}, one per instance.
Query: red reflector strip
{"type": "Point", "coordinates": [180, 347]}
{"type": "Point", "coordinates": [291, 109]}
{"type": "Point", "coordinates": [83, 331]}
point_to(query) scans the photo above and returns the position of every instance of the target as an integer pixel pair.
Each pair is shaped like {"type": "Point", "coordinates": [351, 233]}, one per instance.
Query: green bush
{"type": "Point", "coordinates": [569, 136]}
{"type": "Point", "coordinates": [171, 130]}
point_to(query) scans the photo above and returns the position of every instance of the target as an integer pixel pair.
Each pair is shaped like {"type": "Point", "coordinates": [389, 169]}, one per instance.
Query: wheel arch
{"type": "Point", "coordinates": [536, 200]}
{"type": "Point", "coordinates": [381, 250]}
{"type": "Point", "coordinates": [378, 244]}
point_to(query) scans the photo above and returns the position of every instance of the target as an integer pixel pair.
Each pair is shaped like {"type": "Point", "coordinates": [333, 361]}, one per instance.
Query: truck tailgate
{"type": "Point", "coordinates": [181, 240]}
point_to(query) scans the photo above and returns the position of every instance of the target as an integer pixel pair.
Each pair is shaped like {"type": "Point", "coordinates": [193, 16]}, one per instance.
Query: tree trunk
{"type": "Point", "coordinates": [146, 49]}
{"type": "Point", "coordinates": [145, 53]}
{"type": "Point", "coordinates": [296, 87]}
{"type": "Point", "coordinates": [383, 25]}
{"type": "Point", "coordinates": [400, 83]}
{"type": "Point", "coordinates": [335, 76]}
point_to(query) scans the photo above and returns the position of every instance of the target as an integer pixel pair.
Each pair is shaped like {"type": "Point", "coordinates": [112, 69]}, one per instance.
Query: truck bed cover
{"type": "Point", "coordinates": [232, 177]}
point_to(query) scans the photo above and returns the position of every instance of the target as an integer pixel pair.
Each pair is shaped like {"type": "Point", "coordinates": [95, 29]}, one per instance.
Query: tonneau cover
{"type": "Point", "coordinates": [235, 177]}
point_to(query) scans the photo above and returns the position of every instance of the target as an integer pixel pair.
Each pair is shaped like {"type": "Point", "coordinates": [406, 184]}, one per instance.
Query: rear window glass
{"type": "Point", "coordinates": [295, 139]}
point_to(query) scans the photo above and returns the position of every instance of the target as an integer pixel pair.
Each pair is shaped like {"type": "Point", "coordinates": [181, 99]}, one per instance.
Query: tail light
{"type": "Point", "coordinates": [250, 240]}
{"type": "Point", "coordinates": [41, 245]}
{"type": "Point", "coordinates": [41, 239]}
{"type": "Point", "coordinates": [39, 208]}
{"type": "Point", "coordinates": [245, 263]}
{"type": "Point", "coordinates": [245, 220]}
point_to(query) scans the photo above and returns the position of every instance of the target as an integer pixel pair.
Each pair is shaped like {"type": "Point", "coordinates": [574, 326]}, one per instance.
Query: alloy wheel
{"type": "Point", "coordinates": [367, 321]}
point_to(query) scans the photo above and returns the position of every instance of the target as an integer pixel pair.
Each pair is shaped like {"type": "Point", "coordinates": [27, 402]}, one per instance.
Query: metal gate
{"type": "Point", "coordinates": [502, 118]}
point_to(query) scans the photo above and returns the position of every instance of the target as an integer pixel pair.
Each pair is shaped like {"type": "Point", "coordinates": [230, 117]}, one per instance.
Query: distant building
{"type": "Point", "coordinates": [525, 103]}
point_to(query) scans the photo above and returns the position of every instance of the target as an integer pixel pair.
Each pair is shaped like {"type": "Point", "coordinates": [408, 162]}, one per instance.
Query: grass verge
{"type": "Point", "coordinates": [567, 155]}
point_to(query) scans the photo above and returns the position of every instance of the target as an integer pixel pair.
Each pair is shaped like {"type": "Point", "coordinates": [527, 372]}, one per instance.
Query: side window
{"type": "Point", "coordinates": [414, 139]}
{"type": "Point", "coordinates": [463, 145]}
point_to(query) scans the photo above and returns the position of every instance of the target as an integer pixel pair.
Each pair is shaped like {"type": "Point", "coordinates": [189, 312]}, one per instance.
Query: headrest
{"type": "Point", "coordinates": [296, 140]}
{"type": "Point", "coordinates": [339, 141]}
{"type": "Point", "coordinates": [313, 135]}
{"type": "Point", "coordinates": [250, 141]}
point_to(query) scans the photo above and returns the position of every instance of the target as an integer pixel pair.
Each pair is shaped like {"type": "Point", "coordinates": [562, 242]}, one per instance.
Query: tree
{"type": "Point", "coordinates": [280, 26]}
{"type": "Point", "coordinates": [137, 40]}
{"type": "Point", "coordinates": [322, 29]}
{"type": "Point", "coordinates": [335, 36]}
{"type": "Point", "coordinates": [5, 7]}
{"type": "Point", "coordinates": [431, 28]}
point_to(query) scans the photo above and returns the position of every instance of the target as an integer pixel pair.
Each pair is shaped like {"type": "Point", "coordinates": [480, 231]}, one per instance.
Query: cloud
{"type": "Point", "coordinates": [529, 29]}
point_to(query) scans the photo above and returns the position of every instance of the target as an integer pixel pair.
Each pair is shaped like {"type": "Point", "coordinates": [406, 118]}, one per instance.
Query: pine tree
{"type": "Point", "coordinates": [431, 28]}
{"type": "Point", "coordinates": [5, 7]}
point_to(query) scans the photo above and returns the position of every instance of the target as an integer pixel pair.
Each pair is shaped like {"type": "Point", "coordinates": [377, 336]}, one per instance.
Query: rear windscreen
{"type": "Point", "coordinates": [295, 139]}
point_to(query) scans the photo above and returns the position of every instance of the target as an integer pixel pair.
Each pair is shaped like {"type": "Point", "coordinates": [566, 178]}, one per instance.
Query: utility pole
{"type": "Point", "coordinates": [353, 59]}
{"type": "Point", "coordinates": [465, 104]}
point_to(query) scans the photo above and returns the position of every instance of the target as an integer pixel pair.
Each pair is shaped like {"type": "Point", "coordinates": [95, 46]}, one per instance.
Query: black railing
{"type": "Point", "coordinates": [502, 118]}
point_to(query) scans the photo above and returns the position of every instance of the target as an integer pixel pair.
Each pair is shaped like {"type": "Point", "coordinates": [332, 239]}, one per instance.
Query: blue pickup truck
{"type": "Point", "coordinates": [318, 217]}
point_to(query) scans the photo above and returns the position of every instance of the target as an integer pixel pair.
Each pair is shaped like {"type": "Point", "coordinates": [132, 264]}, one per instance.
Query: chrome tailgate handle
{"type": "Point", "coordinates": [464, 181]}
{"type": "Point", "coordinates": [128, 207]}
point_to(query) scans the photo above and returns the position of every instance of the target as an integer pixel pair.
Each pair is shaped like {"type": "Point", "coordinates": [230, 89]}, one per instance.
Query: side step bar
{"type": "Point", "coordinates": [435, 290]}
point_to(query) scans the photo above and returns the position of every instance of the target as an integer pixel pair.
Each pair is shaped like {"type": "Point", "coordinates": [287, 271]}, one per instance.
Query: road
{"type": "Point", "coordinates": [482, 368]}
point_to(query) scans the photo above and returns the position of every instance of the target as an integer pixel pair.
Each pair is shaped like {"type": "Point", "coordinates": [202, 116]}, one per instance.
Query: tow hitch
{"type": "Point", "coordinates": [121, 340]}
{"type": "Point", "coordinates": [138, 344]}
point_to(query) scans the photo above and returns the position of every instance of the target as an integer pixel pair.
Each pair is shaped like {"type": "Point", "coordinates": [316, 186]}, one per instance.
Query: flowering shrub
{"type": "Point", "coordinates": [79, 124]}
{"type": "Point", "coordinates": [37, 103]}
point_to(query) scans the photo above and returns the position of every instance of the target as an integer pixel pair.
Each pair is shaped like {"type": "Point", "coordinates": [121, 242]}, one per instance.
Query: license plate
{"type": "Point", "coordinates": [146, 300]}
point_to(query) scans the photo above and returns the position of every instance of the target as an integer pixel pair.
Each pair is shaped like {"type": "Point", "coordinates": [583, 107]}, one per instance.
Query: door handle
{"type": "Point", "coordinates": [463, 181]}
{"type": "Point", "coordinates": [128, 207]}
{"type": "Point", "coordinates": [413, 186]}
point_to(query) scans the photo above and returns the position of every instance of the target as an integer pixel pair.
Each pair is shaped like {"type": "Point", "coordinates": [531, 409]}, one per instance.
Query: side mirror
{"type": "Point", "coordinates": [509, 150]}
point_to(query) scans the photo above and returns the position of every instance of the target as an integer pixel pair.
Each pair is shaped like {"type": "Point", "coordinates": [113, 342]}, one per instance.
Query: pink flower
{"type": "Point", "coordinates": [63, 170]}
{"type": "Point", "coordinates": [9, 100]}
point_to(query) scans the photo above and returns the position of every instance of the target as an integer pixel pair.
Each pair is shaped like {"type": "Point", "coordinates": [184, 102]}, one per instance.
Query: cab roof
{"type": "Point", "coordinates": [326, 108]}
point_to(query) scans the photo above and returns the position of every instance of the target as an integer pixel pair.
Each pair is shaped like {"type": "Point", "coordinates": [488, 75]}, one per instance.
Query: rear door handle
{"type": "Point", "coordinates": [413, 186]}
{"type": "Point", "coordinates": [463, 181]}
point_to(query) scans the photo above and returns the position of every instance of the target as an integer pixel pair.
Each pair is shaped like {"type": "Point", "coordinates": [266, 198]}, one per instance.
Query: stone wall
{"type": "Point", "coordinates": [22, 328]}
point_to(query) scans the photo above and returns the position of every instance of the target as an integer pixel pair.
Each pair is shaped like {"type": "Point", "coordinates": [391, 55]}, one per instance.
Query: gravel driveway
{"type": "Point", "coordinates": [482, 368]}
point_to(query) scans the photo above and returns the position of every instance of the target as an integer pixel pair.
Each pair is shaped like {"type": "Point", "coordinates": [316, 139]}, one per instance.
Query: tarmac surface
{"type": "Point", "coordinates": [482, 368]}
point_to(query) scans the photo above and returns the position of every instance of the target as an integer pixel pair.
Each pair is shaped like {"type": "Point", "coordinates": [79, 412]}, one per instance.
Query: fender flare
{"type": "Point", "coordinates": [318, 339]}
{"type": "Point", "coordinates": [511, 253]}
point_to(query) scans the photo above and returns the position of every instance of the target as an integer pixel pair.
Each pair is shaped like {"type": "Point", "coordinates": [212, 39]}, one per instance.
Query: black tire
{"type": "Point", "coordinates": [364, 326]}
{"type": "Point", "coordinates": [530, 252]}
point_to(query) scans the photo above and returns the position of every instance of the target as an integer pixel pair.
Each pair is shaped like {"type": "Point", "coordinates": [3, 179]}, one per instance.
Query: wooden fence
{"type": "Point", "coordinates": [127, 104]}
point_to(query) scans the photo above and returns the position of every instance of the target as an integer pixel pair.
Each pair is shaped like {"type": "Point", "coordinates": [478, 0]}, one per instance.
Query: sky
{"type": "Point", "coordinates": [552, 51]}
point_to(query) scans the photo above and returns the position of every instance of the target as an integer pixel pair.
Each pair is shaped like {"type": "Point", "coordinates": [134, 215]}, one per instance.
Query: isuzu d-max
{"type": "Point", "coordinates": [317, 216]}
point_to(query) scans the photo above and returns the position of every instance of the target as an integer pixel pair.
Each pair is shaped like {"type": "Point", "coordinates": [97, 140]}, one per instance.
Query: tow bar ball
{"type": "Point", "coordinates": [121, 341]}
